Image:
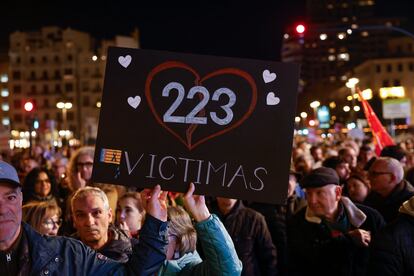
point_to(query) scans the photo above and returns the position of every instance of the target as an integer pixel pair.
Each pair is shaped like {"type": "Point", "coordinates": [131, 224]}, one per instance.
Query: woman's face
{"type": "Point", "coordinates": [84, 166]}
{"type": "Point", "coordinates": [50, 225]}
{"type": "Point", "coordinates": [42, 186]}
{"type": "Point", "coordinates": [128, 212]}
{"type": "Point", "coordinates": [357, 190]}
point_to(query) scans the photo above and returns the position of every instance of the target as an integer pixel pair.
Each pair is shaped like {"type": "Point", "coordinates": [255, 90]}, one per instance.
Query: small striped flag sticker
{"type": "Point", "coordinates": [111, 156]}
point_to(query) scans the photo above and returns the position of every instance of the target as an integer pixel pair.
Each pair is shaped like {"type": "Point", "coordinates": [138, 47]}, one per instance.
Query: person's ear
{"type": "Point", "coordinates": [110, 215]}
{"type": "Point", "coordinates": [338, 192]}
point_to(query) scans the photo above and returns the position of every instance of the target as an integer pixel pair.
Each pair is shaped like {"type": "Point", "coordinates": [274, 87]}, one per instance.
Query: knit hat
{"type": "Point", "coordinates": [320, 177]}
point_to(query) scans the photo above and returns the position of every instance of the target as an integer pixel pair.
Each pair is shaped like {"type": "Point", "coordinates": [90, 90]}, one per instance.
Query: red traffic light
{"type": "Point", "coordinates": [28, 106]}
{"type": "Point", "coordinates": [300, 28]}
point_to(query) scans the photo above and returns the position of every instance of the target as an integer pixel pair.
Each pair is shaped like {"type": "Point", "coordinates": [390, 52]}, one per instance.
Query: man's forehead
{"type": "Point", "coordinates": [379, 164]}
{"type": "Point", "coordinates": [323, 188]}
{"type": "Point", "coordinates": [89, 201]}
{"type": "Point", "coordinates": [7, 187]}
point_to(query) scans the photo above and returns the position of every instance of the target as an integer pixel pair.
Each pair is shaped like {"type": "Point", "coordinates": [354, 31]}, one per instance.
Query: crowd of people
{"type": "Point", "coordinates": [349, 211]}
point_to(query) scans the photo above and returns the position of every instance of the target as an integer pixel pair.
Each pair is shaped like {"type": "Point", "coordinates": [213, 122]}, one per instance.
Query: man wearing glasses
{"type": "Point", "coordinates": [389, 189]}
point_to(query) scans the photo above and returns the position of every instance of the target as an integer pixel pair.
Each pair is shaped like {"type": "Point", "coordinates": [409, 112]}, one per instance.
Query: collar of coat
{"type": "Point", "coordinates": [355, 216]}
{"type": "Point", "coordinates": [408, 207]}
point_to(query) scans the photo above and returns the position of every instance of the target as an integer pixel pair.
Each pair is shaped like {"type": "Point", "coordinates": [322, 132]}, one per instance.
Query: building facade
{"type": "Point", "coordinates": [339, 35]}
{"type": "Point", "coordinates": [55, 65]}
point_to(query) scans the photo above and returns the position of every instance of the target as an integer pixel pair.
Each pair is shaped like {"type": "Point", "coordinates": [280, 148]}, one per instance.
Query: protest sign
{"type": "Point", "coordinates": [225, 124]}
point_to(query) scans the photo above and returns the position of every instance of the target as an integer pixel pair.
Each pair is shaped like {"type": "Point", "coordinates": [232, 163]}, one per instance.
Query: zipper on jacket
{"type": "Point", "coordinates": [8, 257]}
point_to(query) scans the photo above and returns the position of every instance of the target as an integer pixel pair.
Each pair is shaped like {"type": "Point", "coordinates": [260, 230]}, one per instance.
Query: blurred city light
{"type": "Point", "coordinates": [300, 28]}
{"type": "Point", "coordinates": [312, 123]}
{"type": "Point", "coordinates": [367, 94]}
{"type": "Point", "coordinates": [395, 91]}
{"type": "Point", "coordinates": [347, 108]}
{"type": "Point", "coordinates": [28, 106]}
{"type": "Point", "coordinates": [323, 36]}
{"type": "Point", "coordinates": [314, 104]}
{"type": "Point", "coordinates": [304, 115]}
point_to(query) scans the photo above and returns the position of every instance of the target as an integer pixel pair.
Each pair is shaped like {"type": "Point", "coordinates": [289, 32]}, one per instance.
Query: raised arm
{"type": "Point", "coordinates": [220, 254]}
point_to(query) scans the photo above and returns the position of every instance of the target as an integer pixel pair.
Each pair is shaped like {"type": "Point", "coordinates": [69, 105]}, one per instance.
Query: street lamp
{"type": "Point", "coordinates": [351, 83]}
{"type": "Point", "coordinates": [314, 105]}
{"type": "Point", "coordinates": [64, 106]}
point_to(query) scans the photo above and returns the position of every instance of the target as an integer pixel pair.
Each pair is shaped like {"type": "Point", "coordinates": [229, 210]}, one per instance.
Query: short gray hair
{"type": "Point", "coordinates": [83, 192]}
{"type": "Point", "coordinates": [394, 166]}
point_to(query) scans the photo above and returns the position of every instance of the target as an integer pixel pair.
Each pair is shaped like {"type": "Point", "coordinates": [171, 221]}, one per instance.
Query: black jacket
{"type": "Point", "coordinates": [119, 244]}
{"type": "Point", "coordinates": [388, 207]}
{"type": "Point", "coordinates": [392, 250]}
{"type": "Point", "coordinates": [316, 250]}
{"type": "Point", "coordinates": [251, 238]}
{"type": "Point", "coordinates": [276, 217]}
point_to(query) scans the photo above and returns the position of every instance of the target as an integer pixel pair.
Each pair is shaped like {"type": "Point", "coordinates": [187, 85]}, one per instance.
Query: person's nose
{"type": "Point", "coordinates": [310, 198]}
{"type": "Point", "coordinates": [90, 220]}
{"type": "Point", "coordinates": [123, 215]}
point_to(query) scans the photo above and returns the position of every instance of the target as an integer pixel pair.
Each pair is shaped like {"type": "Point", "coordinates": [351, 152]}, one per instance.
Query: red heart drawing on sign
{"type": "Point", "coordinates": [198, 81]}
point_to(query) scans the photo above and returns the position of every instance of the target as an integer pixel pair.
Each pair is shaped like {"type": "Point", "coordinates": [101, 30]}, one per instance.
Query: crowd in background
{"type": "Point", "coordinates": [348, 211]}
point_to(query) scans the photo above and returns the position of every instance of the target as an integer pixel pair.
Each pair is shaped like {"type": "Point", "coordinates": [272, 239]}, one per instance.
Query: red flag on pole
{"type": "Point", "coordinates": [381, 136]}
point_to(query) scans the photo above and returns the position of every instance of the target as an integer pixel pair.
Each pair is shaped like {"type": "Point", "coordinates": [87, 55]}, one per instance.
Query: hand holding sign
{"type": "Point", "coordinates": [155, 202]}
{"type": "Point", "coordinates": [196, 204]}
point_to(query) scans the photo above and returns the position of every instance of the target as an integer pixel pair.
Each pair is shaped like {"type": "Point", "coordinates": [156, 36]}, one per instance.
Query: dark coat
{"type": "Point", "coordinates": [251, 238]}
{"type": "Point", "coordinates": [388, 207]}
{"type": "Point", "coordinates": [315, 250]}
{"type": "Point", "coordinates": [392, 250]}
{"type": "Point", "coordinates": [66, 256]}
{"type": "Point", "coordinates": [276, 217]}
{"type": "Point", "coordinates": [119, 244]}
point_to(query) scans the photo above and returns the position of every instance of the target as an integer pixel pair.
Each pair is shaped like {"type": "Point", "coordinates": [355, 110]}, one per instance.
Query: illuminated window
{"type": "Point", "coordinates": [5, 121]}
{"type": "Point", "coordinates": [4, 92]}
{"type": "Point", "coordinates": [4, 78]}
{"type": "Point", "coordinates": [5, 107]}
{"type": "Point", "coordinates": [341, 36]}
{"type": "Point", "coordinates": [343, 56]}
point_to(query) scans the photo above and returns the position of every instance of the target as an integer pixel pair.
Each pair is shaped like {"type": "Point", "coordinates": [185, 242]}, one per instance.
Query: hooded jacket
{"type": "Point", "coordinates": [220, 257]}
{"type": "Point", "coordinates": [392, 250]}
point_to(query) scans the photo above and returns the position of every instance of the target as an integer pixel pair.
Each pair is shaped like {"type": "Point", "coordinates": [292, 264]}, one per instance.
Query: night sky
{"type": "Point", "coordinates": [224, 28]}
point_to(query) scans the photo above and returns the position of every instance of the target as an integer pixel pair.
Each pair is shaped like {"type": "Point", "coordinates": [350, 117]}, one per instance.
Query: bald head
{"type": "Point", "coordinates": [384, 174]}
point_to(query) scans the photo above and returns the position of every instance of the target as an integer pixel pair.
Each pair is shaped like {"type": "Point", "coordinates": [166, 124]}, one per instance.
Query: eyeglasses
{"type": "Point", "coordinates": [50, 223]}
{"type": "Point", "coordinates": [374, 173]}
{"type": "Point", "coordinates": [86, 164]}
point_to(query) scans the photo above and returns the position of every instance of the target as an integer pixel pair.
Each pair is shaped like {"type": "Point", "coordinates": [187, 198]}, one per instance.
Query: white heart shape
{"type": "Point", "coordinates": [134, 101]}
{"type": "Point", "coordinates": [125, 61]}
{"type": "Point", "coordinates": [268, 77]}
{"type": "Point", "coordinates": [271, 99]}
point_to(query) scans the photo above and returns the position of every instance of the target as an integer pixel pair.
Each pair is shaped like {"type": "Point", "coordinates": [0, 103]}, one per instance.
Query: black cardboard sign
{"type": "Point", "coordinates": [225, 124]}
